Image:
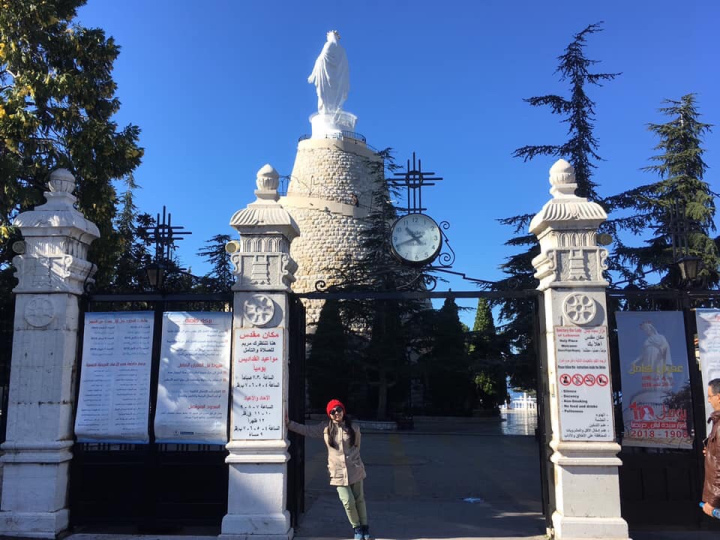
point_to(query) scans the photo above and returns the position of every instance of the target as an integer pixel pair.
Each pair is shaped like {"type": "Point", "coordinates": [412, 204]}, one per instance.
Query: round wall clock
{"type": "Point", "coordinates": [416, 239]}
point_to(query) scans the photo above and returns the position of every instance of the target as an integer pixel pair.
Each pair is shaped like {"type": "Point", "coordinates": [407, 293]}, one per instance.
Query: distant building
{"type": "Point", "coordinates": [520, 401]}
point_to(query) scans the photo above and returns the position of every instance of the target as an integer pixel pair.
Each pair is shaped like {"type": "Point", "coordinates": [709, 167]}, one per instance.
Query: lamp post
{"type": "Point", "coordinates": [689, 268]}
{"type": "Point", "coordinates": [688, 265]}
{"type": "Point", "coordinates": [155, 274]}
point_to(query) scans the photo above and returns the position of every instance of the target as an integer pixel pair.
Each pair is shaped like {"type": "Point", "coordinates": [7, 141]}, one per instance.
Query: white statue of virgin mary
{"type": "Point", "coordinates": [331, 75]}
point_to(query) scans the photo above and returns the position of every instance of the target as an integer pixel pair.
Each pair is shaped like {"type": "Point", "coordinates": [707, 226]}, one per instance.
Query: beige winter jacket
{"type": "Point", "coordinates": [344, 464]}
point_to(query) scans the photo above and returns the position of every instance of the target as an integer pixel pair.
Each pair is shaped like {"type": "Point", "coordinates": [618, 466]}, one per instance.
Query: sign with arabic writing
{"type": "Point", "coordinates": [583, 383]}
{"type": "Point", "coordinates": [656, 400]}
{"type": "Point", "coordinates": [194, 378]}
{"type": "Point", "coordinates": [257, 384]}
{"type": "Point", "coordinates": [114, 398]}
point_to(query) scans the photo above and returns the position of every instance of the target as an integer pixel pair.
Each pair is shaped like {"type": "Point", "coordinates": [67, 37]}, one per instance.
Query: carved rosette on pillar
{"type": "Point", "coordinates": [569, 267]}
{"type": "Point", "coordinates": [258, 445]}
{"type": "Point", "coordinates": [51, 274]}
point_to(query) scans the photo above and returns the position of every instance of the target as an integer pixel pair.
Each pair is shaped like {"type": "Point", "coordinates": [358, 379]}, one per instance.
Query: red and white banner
{"type": "Point", "coordinates": [656, 400]}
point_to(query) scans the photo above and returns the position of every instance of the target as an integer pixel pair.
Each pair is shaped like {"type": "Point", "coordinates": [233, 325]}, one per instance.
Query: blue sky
{"type": "Point", "coordinates": [219, 88]}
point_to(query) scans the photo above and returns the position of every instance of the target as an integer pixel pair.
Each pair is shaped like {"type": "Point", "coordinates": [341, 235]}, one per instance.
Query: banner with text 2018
{"type": "Point", "coordinates": [656, 401]}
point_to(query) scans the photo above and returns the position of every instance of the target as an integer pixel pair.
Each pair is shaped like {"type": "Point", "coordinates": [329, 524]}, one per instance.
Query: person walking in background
{"type": "Point", "coordinates": [711, 451]}
{"type": "Point", "coordinates": [345, 466]}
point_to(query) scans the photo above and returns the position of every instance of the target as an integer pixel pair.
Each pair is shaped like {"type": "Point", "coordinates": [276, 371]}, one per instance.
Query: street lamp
{"type": "Point", "coordinates": [689, 267]}
{"type": "Point", "coordinates": [155, 274]}
{"type": "Point", "coordinates": [680, 228]}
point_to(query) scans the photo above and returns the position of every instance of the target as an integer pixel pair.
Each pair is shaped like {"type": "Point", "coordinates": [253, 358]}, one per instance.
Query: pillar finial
{"type": "Point", "coordinates": [562, 179]}
{"type": "Point", "coordinates": [61, 181]}
{"type": "Point", "coordinates": [267, 182]}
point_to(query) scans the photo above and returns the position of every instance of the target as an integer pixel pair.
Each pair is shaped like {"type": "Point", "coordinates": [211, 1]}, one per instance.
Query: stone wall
{"type": "Point", "coordinates": [329, 195]}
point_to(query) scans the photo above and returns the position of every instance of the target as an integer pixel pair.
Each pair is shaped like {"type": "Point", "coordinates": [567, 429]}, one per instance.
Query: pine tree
{"type": "Point", "coordinates": [680, 196]}
{"type": "Point", "coordinates": [578, 112]}
{"type": "Point", "coordinates": [220, 279]}
{"type": "Point", "coordinates": [580, 150]}
{"type": "Point", "coordinates": [484, 323]}
{"type": "Point", "coordinates": [57, 102]}
{"type": "Point", "coordinates": [135, 254]}
{"type": "Point", "coordinates": [330, 366]}
{"type": "Point", "coordinates": [487, 359]}
{"type": "Point", "coordinates": [448, 375]}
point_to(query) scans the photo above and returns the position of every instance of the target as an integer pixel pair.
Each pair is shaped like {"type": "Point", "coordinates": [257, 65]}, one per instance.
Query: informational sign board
{"type": "Point", "coordinates": [708, 331]}
{"type": "Point", "coordinates": [257, 384]}
{"type": "Point", "coordinates": [583, 383]}
{"type": "Point", "coordinates": [656, 400]}
{"type": "Point", "coordinates": [194, 378]}
{"type": "Point", "coordinates": [113, 402]}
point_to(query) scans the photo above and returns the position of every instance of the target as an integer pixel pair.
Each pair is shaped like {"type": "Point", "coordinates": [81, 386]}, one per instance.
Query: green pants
{"type": "Point", "coordinates": [353, 499]}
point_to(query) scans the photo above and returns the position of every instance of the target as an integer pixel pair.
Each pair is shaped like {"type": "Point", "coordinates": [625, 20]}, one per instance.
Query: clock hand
{"type": "Point", "coordinates": [415, 236]}
{"type": "Point", "coordinates": [408, 241]}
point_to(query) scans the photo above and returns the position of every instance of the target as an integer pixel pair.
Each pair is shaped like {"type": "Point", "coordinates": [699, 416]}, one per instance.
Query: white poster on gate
{"type": "Point", "coordinates": [583, 383]}
{"type": "Point", "coordinates": [114, 396]}
{"type": "Point", "coordinates": [194, 378]}
{"type": "Point", "coordinates": [708, 332]}
{"type": "Point", "coordinates": [257, 384]}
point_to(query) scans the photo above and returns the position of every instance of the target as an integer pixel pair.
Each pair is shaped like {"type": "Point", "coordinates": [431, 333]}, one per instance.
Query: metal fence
{"type": "Point", "coordinates": [659, 487]}
{"type": "Point", "coordinates": [155, 487]}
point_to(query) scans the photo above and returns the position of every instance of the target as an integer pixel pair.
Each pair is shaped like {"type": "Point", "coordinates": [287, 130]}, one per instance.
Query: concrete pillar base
{"type": "Point", "coordinates": [582, 528]}
{"type": "Point", "coordinates": [256, 500]}
{"type": "Point", "coordinates": [287, 536]}
{"type": "Point", "coordinates": [257, 527]}
{"type": "Point", "coordinates": [34, 524]}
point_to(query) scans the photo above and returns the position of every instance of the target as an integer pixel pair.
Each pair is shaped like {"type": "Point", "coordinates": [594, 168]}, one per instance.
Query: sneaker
{"type": "Point", "coordinates": [366, 532]}
{"type": "Point", "coordinates": [358, 533]}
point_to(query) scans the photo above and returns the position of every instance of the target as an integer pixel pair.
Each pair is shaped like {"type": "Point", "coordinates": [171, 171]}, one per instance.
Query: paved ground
{"type": "Point", "coordinates": [451, 480]}
{"type": "Point", "coordinates": [459, 480]}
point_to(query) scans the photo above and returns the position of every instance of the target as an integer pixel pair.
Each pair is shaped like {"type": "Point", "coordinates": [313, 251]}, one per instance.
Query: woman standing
{"type": "Point", "coordinates": [346, 469]}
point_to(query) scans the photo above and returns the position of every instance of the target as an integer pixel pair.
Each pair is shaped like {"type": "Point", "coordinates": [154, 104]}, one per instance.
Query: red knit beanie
{"type": "Point", "coordinates": [332, 404]}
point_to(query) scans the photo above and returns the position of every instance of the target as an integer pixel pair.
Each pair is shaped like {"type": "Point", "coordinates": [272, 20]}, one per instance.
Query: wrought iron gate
{"type": "Point", "coordinates": [544, 435]}
{"type": "Point", "coordinates": [660, 488]}
{"type": "Point", "coordinates": [296, 409]}
{"type": "Point", "coordinates": [151, 487]}
{"type": "Point", "coordinates": [297, 391]}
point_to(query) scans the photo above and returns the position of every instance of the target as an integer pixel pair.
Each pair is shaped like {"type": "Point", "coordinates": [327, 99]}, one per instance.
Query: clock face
{"type": "Point", "coordinates": [416, 238]}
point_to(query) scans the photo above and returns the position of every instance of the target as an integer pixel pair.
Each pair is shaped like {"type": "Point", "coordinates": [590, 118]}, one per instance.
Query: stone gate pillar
{"type": "Point", "coordinates": [258, 445]}
{"type": "Point", "coordinates": [51, 275]}
{"type": "Point", "coordinates": [569, 267]}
